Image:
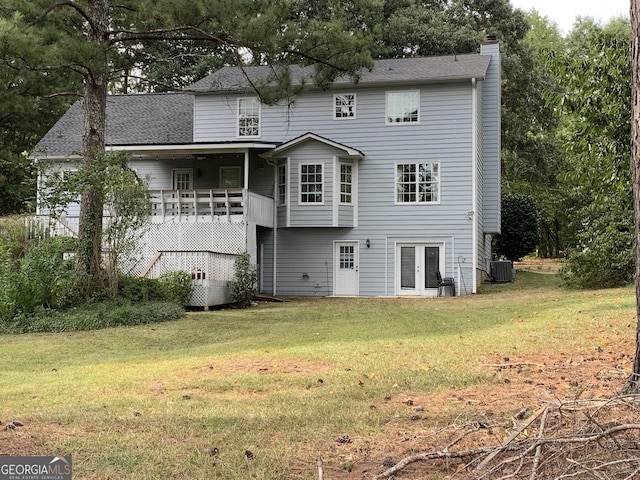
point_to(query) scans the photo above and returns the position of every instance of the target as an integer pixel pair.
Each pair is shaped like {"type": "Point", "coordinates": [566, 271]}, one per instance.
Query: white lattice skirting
{"type": "Point", "coordinates": [206, 250]}
{"type": "Point", "coordinates": [211, 274]}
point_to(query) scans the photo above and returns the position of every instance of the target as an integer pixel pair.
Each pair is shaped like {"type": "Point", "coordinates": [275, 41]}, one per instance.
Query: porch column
{"type": "Point", "coordinates": [246, 170]}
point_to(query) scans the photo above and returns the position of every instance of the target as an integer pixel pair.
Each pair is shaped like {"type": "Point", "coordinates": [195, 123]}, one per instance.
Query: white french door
{"type": "Point", "coordinates": [346, 276]}
{"type": "Point", "coordinates": [416, 267]}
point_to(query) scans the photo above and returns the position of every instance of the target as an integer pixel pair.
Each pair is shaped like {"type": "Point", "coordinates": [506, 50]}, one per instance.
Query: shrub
{"type": "Point", "coordinates": [43, 278]}
{"type": "Point", "coordinates": [245, 283]}
{"type": "Point", "coordinates": [14, 236]}
{"type": "Point", "coordinates": [520, 227]}
{"type": "Point", "coordinates": [139, 289]}
{"type": "Point", "coordinates": [603, 256]}
{"type": "Point", "coordinates": [177, 287]}
{"type": "Point", "coordinates": [174, 286]}
{"type": "Point", "coordinates": [94, 316]}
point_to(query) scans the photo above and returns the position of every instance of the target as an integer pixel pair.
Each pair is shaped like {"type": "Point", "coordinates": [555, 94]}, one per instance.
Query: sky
{"type": "Point", "coordinates": [564, 12]}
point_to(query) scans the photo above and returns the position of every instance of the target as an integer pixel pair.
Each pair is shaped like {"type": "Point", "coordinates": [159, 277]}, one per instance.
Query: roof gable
{"type": "Point", "coordinates": [276, 152]}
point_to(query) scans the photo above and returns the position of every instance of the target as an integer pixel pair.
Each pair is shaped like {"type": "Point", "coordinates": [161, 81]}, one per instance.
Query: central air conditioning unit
{"type": "Point", "coordinates": [502, 271]}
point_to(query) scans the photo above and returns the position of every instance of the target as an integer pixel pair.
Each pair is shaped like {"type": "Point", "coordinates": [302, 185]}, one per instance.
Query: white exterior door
{"type": "Point", "coordinates": [416, 267]}
{"type": "Point", "coordinates": [346, 268]}
{"type": "Point", "coordinates": [183, 181]}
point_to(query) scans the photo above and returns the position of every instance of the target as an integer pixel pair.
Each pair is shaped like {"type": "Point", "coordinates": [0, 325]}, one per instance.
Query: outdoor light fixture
{"type": "Point", "coordinates": [368, 243]}
{"type": "Point", "coordinates": [305, 276]}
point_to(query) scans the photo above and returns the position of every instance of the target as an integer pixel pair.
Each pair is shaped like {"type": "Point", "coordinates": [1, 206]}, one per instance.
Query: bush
{"type": "Point", "coordinates": [15, 236]}
{"type": "Point", "coordinates": [172, 286]}
{"type": "Point", "coordinates": [177, 287]}
{"type": "Point", "coordinates": [520, 227]}
{"type": "Point", "coordinates": [604, 254]}
{"type": "Point", "coordinates": [139, 289]}
{"type": "Point", "coordinates": [245, 283]}
{"type": "Point", "coordinates": [94, 316]}
{"type": "Point", "coordinates": [43, 278]}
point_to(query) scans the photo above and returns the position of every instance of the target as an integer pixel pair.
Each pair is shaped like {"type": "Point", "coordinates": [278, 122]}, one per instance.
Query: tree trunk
{"type": "Point", "coordinates": [633, 382]}
{"type": "Point", "coordinates": [93, 143]}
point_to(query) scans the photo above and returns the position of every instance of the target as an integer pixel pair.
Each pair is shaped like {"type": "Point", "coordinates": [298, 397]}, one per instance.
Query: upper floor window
{"type": "Point", "coordinates": [311, 183]}
{"type": "Point", "coordinates": [417, 183]}
{"type": "Point", "coordinates": [403, 107]}
{"type": "Point", "coordinates": [248, 117]}
{"type": "Point", "coordinates": [344, 105]}
{"type": "Point", "coordinates": [346, 182]}
{"type": "Point", "coordinates": [282, 184]}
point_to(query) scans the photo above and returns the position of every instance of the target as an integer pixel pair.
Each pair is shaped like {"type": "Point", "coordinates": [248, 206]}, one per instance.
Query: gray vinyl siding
{"type": "Point", "coordinates": [444, 135]}
{"type": "Point", "coordinates": [345, 216]}
{"type": "Point", "coordinates": [491, 122]}
{"type": "Point", "coordinates": [311, 214]}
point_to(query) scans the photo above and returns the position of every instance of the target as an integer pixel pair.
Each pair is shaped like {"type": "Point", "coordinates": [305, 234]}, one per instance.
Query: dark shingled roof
{"type": "Point", "coordinates": [167, 118]}
{"type": "Point", "coordinates": [390, 71]}
{"type": "Point", "coordinates": [143, 119]}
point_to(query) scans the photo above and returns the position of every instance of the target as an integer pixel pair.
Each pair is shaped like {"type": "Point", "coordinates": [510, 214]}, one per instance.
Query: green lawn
{"type": "Point", "coordinates": [281, 380]}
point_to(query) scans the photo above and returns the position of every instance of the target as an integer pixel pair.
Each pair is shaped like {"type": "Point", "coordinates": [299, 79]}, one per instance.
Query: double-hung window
{"type": "Point", "coordinates": [346, 182]}
{"type": "Point", "coordinates": [248, 117]}
{"type": "Point", "coordinates": [311, 183]}
{"type": "Point", "coordinates": [417, 183]}
{"type": "Point", "coordinates": [282, 184]}
{"type": "Point", "coordinates": [344, 106]}
{"type": "Point", "coordinates": [403, 107]}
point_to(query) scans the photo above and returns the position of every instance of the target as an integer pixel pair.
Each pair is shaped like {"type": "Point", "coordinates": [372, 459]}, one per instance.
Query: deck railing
{"type": "Point", "coordinates": [181, 206]}
{"type": "Point", "coordinates": [204, 205]}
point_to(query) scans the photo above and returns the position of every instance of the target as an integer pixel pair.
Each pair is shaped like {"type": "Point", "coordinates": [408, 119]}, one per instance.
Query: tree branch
{"type": "Point", "coordinates": [66, 3]}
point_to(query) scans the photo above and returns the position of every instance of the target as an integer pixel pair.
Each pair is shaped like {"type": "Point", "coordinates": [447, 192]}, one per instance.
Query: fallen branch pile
{"type": "Point", "coordinates": [580, 439]}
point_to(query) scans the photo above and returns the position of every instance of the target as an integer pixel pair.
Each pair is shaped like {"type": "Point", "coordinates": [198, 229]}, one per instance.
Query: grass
{"type": "Point", "coordinates": [280, 380]}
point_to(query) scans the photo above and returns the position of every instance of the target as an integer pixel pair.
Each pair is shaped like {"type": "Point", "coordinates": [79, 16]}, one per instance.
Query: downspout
{"type": "Point", "coordinates": [474, 184]}
{"type": "Point", "coordinates": [275, 229]}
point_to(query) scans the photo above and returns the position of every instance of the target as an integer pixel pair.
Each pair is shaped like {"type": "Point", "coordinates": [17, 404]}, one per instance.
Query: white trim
{"type": "Point", "coordinates": [288, 192]}
{"type": "Point", "coordinates": [354, 193]}
{"type": "Point", "coordinates": [336, 196]}
{"type": "Point", "coordinates": [386, 106]}
{"type": "Point", "coordinates": [246, 171]}
{"type": "Point", "coordinates": [275, 241]}
{"type": "Point", "coordinates": [474, 184]}
{"type": "Point", "coordinates": [192, 148]}
{"type": "Point", "coordinates": [420, 289]}
{"type": "Point", "coordinates": [353, 117]}
{"type": "Point", "coordinates": [356, 262]}
{"type": "Point", "coordinates": [350, 152]}
{"type": "Point", "coordinates": [395, 184]}
{"type": "Point", "coordinates": [256, 99]}
{"type": "Point", "coordinates": [174, 171]}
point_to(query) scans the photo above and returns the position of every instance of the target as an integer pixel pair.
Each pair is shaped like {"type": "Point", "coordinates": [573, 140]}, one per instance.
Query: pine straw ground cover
{"type": "Point", "coordinates": [519, 382]}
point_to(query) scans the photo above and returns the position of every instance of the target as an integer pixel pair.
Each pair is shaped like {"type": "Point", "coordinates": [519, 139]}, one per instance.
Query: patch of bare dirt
{"type": "Point", "coordinates": [266, 366]}
{"type": "Point", "coordinates": [20, 440]}
{"type": "Point", "coordinates": [485, 415]}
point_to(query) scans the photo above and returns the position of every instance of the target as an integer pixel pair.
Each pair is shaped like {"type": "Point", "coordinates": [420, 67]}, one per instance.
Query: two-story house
{"type": "Point", "coordinates": [370, 188]}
